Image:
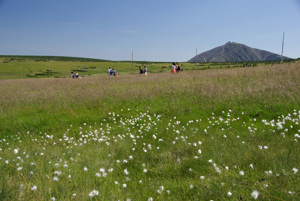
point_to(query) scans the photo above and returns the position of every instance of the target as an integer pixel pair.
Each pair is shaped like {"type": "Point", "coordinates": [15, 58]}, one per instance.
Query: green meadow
{"type": "Point", "coordinates": [17, 67]}
{"type": "Point", "coordinates": [226, 132]}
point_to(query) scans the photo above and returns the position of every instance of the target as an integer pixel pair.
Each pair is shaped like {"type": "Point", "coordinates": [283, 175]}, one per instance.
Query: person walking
{"type": "Point", "coordinates": [145, 70]}
{"type": "Point", "coordinates": [177, 67]}
{"type": "Point", "coordinates": [141, 71]}
{"type": "Point", "coordinates": [109, 71]}
{"type": "Point", "coordinates": [173, 68]}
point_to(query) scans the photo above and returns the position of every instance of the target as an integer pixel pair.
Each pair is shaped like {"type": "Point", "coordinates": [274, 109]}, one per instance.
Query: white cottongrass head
{"type": "Point", "coordinates": [34, 188]}
{"type": "Point", "coordinates": [255, 194]}
{"type": "Point", "coordinates": [295, 170]}
{"type": "Point", "coordinates": [93, 193]}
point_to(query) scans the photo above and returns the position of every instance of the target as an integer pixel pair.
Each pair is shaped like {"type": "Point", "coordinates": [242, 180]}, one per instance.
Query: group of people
{"type": "Point", "coordinates": [76, 75]}
{"type": "Point", "coordinates": [111, 72]}
{"type": "Point", "coordinates": [145, 71]}
{"type": "Point", "coordinates": [175, 68]}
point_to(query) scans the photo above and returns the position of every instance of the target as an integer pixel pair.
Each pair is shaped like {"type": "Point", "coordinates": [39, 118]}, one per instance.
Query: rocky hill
{"type": "Point", "coordinates": [235, 52]}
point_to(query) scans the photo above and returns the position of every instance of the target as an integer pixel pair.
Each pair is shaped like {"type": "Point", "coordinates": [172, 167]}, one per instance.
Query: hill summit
{"type": "Point", "coordinates": [235, 52]}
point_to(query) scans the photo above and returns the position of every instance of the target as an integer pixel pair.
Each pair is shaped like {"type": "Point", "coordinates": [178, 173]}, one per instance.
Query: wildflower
{"type": "Point", "coordinates": [150, 199]}
{"type": "Point", "coordinates": [57, 173]}
{"type": "Point", "coordinates": [34, 188]}
{"type": "Point", "coordinates": [98, 174]}
{"type": "Point", "coordinates": [102, 170]}
{"type": "Point", "coordinates": [229, 194]}
{"type": "Point", "coordinates": [255, 194]}
{"type": "Point", "coordinates": [251, 166]}
{"type": "Point", "coordinates": [202, 177]}
{"type": "Point", "coordinates": [55, 178]}
{"type": "Point", "coordinates": [145, 170]}
{"type": "Point", "coordinates": [16, 151]}
{"type": "Point", "coordinates": [85, 169]}
{"type": "Point", "coordinates": [295, 170]}
{"type": "Point", "coordinates": [242, 173]}
{"type": "Point", "coordinates": [53, 199]}
{"type": "Point", "coordinates": [191, 186]}
{"type": "Point", "coordinates": [74, 195]}
{"type": "Point", "coordinates": [93, 193]}
{"type": "Point", "coordinates": [210, 161]}
{"type": "Point", "coordinates": [19, 168]}
{"type": "Point", "coordinates": [124, 185]}
{"type": "Point", "coordinates": [199, 151]}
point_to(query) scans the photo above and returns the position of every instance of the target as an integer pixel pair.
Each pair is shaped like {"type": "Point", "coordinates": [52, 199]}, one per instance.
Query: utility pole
{"type": "Point", "coordinates": [132, 62]}
{"type": "Point", "coordinates": [282, 48]}
{"type": "Point", "coordinates": [84, 68]}
{"type": "Point", "coordinates": [196, 58]}
{"type": "Point", "coordinates": [49, 69]}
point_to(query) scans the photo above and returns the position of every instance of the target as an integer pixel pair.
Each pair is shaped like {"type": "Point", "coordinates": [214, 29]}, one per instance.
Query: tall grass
{"type": "Point", "coordinates": [160, 122]}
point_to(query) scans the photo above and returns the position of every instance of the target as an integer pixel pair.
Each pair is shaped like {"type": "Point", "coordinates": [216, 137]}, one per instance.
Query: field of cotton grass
{"type": "Point", "coordinates": [211, 135]}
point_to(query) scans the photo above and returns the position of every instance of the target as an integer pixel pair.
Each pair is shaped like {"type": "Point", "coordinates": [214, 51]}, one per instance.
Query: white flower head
{"type": "Point", "coordinates": [242, 173]}
{"type": "Point", "coordinates": [93, 193]}
{"type": "Point", "coordinates": [295, 170]}
{"type": "Point", "coordinates": [251, 166]}
{"type": "Point", "coordinates": [16, 151]}
{"type": "Point", "coordinates": [34, 188]}
{"type": "Point", "coordinates": [255, 194]}
{"type": "Point", "coordinates": [229, 194]}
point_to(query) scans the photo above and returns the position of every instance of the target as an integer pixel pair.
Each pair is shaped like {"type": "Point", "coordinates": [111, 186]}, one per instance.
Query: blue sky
{"type": "Point", "coordinates": [156, 30]}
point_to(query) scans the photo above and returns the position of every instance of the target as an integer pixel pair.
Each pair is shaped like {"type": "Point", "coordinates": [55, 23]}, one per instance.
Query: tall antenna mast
{"type": "Point", "coordinates": [282, 48]}
{"type": "Point", "coordinates": [196, 58]}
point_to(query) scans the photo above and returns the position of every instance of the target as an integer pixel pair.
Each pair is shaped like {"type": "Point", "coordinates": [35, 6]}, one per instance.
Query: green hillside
{"type": "Point", "coordinates": [17, 67]}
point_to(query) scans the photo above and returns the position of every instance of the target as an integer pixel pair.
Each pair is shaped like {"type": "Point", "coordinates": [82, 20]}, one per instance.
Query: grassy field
{"type": "Point", "coordinates": [226, 134]}
{"type": "Point", "coordinates": [17, 67]}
